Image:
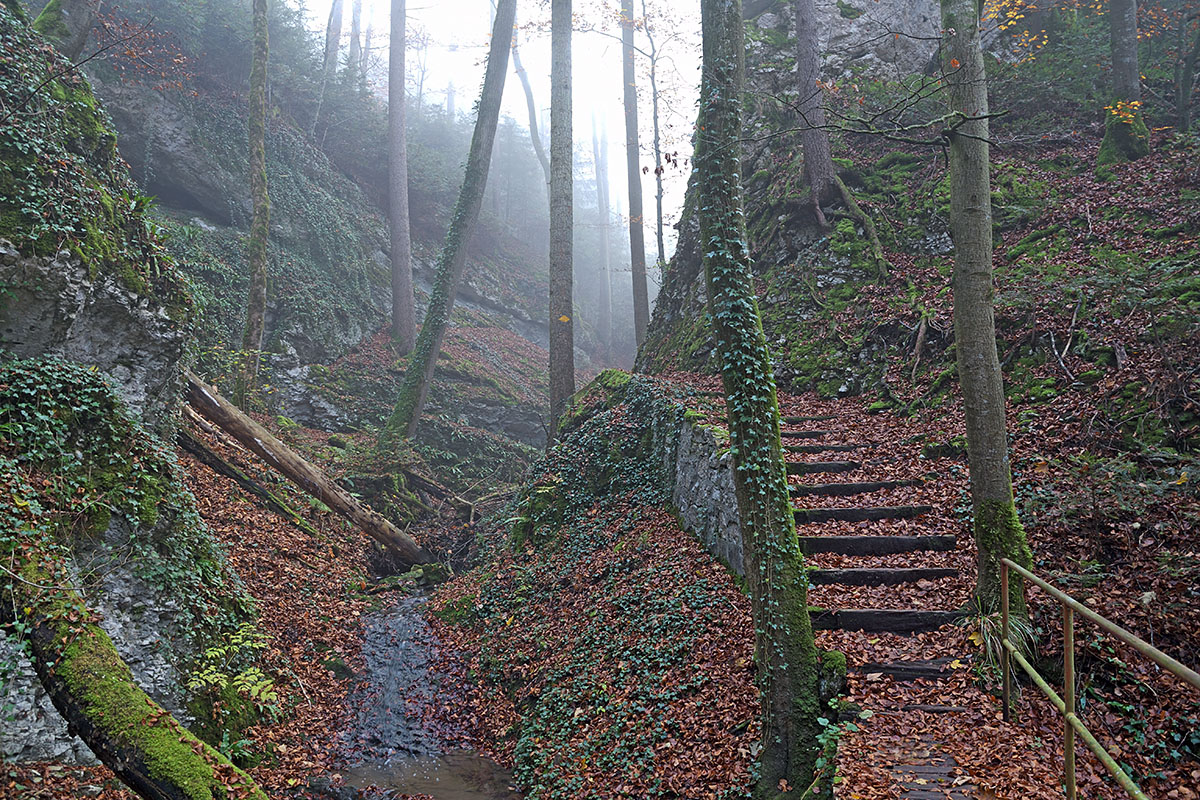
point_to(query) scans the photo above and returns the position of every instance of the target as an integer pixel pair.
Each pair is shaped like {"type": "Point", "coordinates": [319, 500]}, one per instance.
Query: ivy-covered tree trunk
{"type": "Point", "coordinates": [404, 312]}
{"type": "Point", "coordinates": [449, 269]}
{"type": "Point", "coordinates": [1126, 137]}
{"type": "Point", "coordinates": [998, 532]}
{"type": "Point", "coordinates": [600, 160]}
{"type": "Point", "coordinates": [784, 648]}
{"type": "Point", "coordinates": [562, 217]}
{"type": "Point", "coordinates": [814, 138]}
{"type": "Point", "coordinates": [93, 689]}
{"type": "Point", "coordinates": [256, 302]}
{"type": "Point", "coordinates": [637, 241]}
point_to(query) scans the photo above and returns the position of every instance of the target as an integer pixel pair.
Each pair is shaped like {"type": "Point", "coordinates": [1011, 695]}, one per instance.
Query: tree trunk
{"type": "Point", "coordinates": [658, 161]}
{"type": "Point", "coordinates": [404, 313]}
{"type": "Point", "coordinates": [998, 531]}
{"type": "Point", "coordinates": [637, 242]}
{"type": "Point", "coordinates": [256, 303]}
{"type": "Point", "coordinates": [814, 138]}
{"type": "Point", "coordinates": [1185, 71]}
{"type": "Point", "coordinates": [784, 648]}
{"type": "Point", "coordinates": [209, 404]}
{"type": "Point", "coordinates": [333, 39]}
{"type": "Point", "coordinates": [354, 64]}
{"type": "Point", "coordinates": [1126, 137]}
{"type": "Point", "coordinates": [600, 159]}
{"type": "Point", "coordinates": [453, 259]}
{"type": "Point", "coordinates": [562, 216]}
{"type": "Point", "coordinates": [93, 689]}
{"type": "Point", "coordinates": [535, 136]}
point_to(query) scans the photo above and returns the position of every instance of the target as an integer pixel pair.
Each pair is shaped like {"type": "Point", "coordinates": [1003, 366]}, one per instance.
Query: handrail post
{"type": "Point", "coordinates": [1005, 658]}
{"type": "Point", "coordinates": [1069, 699]}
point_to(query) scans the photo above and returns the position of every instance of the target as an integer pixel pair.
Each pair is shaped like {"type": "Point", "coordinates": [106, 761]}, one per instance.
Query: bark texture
{"type": "Point", "coordinates": [600, 159]}
{"type": "Point", "coordinates": [785, 652]}
{"type": "Point", "coordinates": [208, 403]}
{"type": "Point", "coordinates": [333, 40]}
{"type": "Point", "coordinates": [814, 137]}
{"type": "Point", "coordinates": [998, 532]}
{"type": "Point", "coordinates": [637, 241]}
{"type": "Point", "coordinates": [1185, 69]}
{"type": "Point", "coordinates": [93, 689]}
{"type": "Point", "coordinates": [453, 258]}
{"type": "Point", "coordinates": [562, 217]}
{"type": "Point", "coordinates": [404, 312]}
{"type": "Point", "coordinates": [256, 302]}
{"type": "Point", "coordinates": [1126, 137]}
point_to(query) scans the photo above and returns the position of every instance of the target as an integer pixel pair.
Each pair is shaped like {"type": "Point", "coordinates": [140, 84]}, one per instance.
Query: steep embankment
{"type": "Point", "coordinates": [1097, 306]}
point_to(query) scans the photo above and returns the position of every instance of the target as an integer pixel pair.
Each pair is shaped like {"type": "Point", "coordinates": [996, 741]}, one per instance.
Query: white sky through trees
{"type": "Point", "coordinates": [458, 34]}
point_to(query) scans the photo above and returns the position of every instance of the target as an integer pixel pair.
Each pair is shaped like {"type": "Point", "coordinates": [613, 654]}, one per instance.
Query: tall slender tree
{"type": "Point", "coordinates": [562, 217]}
{"type": "Point", "coordinates": [814, 137]}
{"type": "Point", "coordinates": [256, 129]}
{"type": "Point", "coordinates": [354, 57]}
{"type": "Point", "coordinates": [637, 241]}
{"type": "Point", "coordinates": [658, 155]}
{"type": "Point", "coordinates": [449, 269]}
{"type": "Point", "coordinates": [785, 651]}
{"type": "Point", "coordinates": [404, 314]}
{"type": "Point", "coordinates": [998, 531]}
{"type": "Point", "coordinates": [600, 160]}
{"type": "Point", "coordinates": [333, 40]}
{"type": "Point", "coordinates": [1126, 137]}
{"type": "Point", "coordinates": [535, 136]}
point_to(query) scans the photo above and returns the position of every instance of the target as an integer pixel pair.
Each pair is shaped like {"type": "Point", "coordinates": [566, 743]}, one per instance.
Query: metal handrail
{"type": "Point", "coordinates": [1073, 725]}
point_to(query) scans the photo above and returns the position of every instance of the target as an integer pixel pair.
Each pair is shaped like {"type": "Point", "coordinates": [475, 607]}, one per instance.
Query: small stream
{"type": "Point", "coordinates": [393, 745]}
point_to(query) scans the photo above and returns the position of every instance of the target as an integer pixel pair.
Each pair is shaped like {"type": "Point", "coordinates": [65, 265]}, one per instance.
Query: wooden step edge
{"type": "Point", "coordinates": [879, 545]}
{"type": "Point", "coordinates": [881, 620]}
{"type": "Point", "coordinates": [878, 576]}
{"type": "Point", "coordinates": [804, 434]}
{"type": "Point", "coordinates": [813, 467]}
{"type": "Point", "coordinates": [817, 418]}
{"type": "Point", "coordinates": [810, 516]}
{"type": "Point", "coordinates": [849, 489]}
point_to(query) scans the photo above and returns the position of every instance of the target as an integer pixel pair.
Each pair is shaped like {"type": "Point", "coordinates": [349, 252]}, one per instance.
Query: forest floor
{"type": "Point", "coordinates": [316, 592]}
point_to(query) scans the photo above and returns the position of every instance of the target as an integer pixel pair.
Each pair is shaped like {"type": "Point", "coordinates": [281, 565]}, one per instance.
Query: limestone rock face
{"type": "Point", "coordinates": [889, 38]}
{"type": "Point", "coordinates": [141, 620]}
{"type": "Point", "coordinates": [53, 306]}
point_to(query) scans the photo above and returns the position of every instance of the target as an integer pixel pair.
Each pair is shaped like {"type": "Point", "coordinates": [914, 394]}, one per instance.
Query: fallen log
{"type": "Point", "coordinates": [205, 455]}
{"type": "Point", "coordinates": [219, 411]}
{"type": "Point", "coordinates": [93, 689]}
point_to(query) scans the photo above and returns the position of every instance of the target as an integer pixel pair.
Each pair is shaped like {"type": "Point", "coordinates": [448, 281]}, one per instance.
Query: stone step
{"type": "Point", "coordinates": [805, 516]}
{"type": "Point", "coordinates": [883, 576]}
{"type": "Point", "coordinates": [848, 489]}
{"type": "Point", "coordinates": [823, 448]}
{"type": "Point", "coordinates": [875, 545]}
{"type": "Point", "coordinates": [804, 434]}
{"type": "Point", "coordinates": [818, 418]}
{"type": "Point", "coordinates": [813, 467]}
{"type": "Point", "coordinates": [881, 620]}
{"type": "Point", "coordinates": [931, 669]}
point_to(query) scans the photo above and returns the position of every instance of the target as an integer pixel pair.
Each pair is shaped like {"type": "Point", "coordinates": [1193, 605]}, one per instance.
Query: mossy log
{"type": "Point", "coordinates": [209, 403]}
{"type": "Point", "coordinates": [93, 689]}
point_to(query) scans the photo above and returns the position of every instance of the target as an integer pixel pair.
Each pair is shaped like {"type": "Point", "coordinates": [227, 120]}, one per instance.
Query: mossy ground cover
{"type": "Point", "coordinates": [595, 633]}
{"type": "Point", "coordinates": [62, 184]}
